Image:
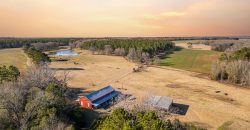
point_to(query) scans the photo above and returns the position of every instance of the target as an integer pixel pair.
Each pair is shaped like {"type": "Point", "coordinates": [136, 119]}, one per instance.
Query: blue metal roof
{"type": "Point", "coordinates": [105, 98]}
{"type": "Point", "coordinates": [100, 93]}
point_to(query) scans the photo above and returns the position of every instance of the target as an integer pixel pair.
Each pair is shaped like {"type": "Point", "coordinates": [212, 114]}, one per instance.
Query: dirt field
{"type": "Point", "coordinates": [210, 103]}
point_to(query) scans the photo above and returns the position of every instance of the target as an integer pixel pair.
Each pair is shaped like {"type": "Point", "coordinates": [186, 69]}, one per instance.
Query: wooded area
{"type": "Point", "coordinates": [20, 42]}
{"type": "Point", "coordinates": [134, 49]}
{"type": "Point", "coordinates": [38, 100]}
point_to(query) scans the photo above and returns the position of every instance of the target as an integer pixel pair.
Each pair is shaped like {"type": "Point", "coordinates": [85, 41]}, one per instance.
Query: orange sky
{"type": "Point", "coordinates": [98, 18]}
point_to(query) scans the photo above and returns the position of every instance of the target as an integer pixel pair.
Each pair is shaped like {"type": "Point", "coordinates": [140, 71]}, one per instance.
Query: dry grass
{"type": "Point", "coordinates": [205, 105]}
{"type": "Point", "coordinates": [194, 46]}
{"type": "Point", "coordinates": [13, 57]}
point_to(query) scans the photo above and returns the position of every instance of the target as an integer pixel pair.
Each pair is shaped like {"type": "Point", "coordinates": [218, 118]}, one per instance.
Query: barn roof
{"type": "Point", "coordinates": [99, 93]}
{"type": "Point", "coordinates": [104, 98]}
{"type": "Point", "coordinates": [161, 101]}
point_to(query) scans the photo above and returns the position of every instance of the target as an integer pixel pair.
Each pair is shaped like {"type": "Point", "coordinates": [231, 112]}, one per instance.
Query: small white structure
{"type": "Point", "coordinates": [161, 102]}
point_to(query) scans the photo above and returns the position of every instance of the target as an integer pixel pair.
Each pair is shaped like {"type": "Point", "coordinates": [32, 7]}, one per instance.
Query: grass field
{"type": "Point", "coordinates": [13, 57]}
{"type": "Point", "coordinates": [193, 60]}
{"type": "Point", "coordinates": [206, 107]}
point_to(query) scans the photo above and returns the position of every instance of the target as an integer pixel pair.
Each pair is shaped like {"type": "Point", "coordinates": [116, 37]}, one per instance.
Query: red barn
{"type": "Point", "coordinates": [85, 102]}
{"type": "Point", "coordinates": [97, 98]}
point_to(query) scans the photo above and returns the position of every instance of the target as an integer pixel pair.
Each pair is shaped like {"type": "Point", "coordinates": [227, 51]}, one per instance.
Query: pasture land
{"type": "Point", "coordinates": [14, 56]}
{"type": "Point", "coordinates": [192, 60]}
{"type": "Point", "coordinates": [210, 104]}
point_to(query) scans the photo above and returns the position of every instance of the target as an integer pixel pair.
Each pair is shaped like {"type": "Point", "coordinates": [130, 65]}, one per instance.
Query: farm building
{"type": "Point", "coordinates": [98, 98]}
{"type": "Point", "coordinates": [161, 102]}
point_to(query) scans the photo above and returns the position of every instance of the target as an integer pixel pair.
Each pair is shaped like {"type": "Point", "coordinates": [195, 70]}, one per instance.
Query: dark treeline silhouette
{"type": "Point", "coordinates": [20, 42]}
{"type": "Point", "coordinates": [49, 45]}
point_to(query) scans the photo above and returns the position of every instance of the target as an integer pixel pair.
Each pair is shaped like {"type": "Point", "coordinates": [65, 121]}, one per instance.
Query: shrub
{"type": "Point", "coordinates": [120, 119]}
{"type": "Point", "coordinates": [10, 73]}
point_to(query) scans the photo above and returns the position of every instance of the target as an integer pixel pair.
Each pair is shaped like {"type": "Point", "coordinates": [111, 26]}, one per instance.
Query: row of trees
{"type": "Point", "coordinates": [233, 67]}
{"type": "Point", "coordinates": [135, 49]}
{"type": "Point", "coordinates": [35, 54]}
{"type": "Point", "coordinates": [10, 73]}
{"type": "Point", "coordinates": [49, 45]}
{"type": "Point", "coordinates": [20, 42]}
{"type": "Point", "coordinates": [38, 100]}
{"type": "Point", "coordinates": [120, 119]}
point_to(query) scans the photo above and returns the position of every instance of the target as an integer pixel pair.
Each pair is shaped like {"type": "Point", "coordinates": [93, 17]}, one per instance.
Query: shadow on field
{"type": "Point", "coordinates": [67, 69]}
{"type": "Point", "coordinates": [181, 109]}
{"type": "Point", "coordinates": [166, 54]}
{"type": "Point", "coordinates": [167, 64]}
{"type": "Point", "coordinates": [90, 116]}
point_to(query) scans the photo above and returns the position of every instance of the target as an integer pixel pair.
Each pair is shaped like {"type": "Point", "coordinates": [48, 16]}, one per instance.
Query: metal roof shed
{"type": "Point", "coordinates": [97, 98]}
{"type": "Point", "coordinates": [162, 102]}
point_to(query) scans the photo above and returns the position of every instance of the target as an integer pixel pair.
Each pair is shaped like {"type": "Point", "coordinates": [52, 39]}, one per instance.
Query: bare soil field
{"type": "Point", "coordinates": [210, 103]}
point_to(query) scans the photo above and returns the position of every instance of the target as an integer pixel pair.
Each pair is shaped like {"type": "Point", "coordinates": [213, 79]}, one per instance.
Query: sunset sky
{"type": "Point", "coordinates": [98, 18]}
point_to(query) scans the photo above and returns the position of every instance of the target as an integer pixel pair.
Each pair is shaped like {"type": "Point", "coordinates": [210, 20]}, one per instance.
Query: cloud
{"type": "Point", "coordinates": [173, 14]}
{"type": "Point", "coordinates": [123, 17]}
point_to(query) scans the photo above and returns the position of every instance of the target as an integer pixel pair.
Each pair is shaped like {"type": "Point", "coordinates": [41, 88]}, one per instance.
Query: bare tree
{"type": "Point", "coordinates": [236, 72]}
{"type": "Point", "coordinates": [108, 50]}
{"type": "Point", "coordinates": [132, 55]}
{"type": "Point", "coordinates": [12, 100]}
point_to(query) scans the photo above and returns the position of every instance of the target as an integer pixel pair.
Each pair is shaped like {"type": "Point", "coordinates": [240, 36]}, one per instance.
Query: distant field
{"type": "Point", "coordinates": [186, 41]}
{"type": "Point", "coordinates": [193, 60]}
{"type": "Point", "coordinates": [13, 57]}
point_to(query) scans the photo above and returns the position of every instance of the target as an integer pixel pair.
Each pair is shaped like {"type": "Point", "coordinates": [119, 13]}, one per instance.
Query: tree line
{"type": "Point", "coordinates": [134, 49]}
{"type": "Point", "coordinates": [48, 45]}
{"type": "Point", "coordinates": [20, 42]}
{"type": "Point", "coordinates": [35, 54]}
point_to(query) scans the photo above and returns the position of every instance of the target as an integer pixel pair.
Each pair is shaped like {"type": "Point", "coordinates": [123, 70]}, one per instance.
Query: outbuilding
{"type": "Point", "coordinates": [161, 102]}
{"type": "Point", "coordinates": [98, 98]}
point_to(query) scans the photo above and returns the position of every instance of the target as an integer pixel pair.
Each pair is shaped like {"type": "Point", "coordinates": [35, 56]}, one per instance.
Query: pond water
{"type": "Point", "coordinates": [66, 53]}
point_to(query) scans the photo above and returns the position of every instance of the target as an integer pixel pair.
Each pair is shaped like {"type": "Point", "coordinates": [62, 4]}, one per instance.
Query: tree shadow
{"type": "Point", "coordinates": [167, 64]}
{"type": "Point", "coordinates": [67, 69]}
{"type": "Point", "coordinates": [74, 93]}
{"type": "Point", "coordinates": [90, 116]}
{"type": "Point", "coordinates": [166, 54]}
{"type": "Point", "coordinates": [178, 48]}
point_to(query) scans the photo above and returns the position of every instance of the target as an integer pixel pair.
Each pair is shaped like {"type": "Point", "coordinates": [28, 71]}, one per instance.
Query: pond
{"type": "Point", "coordinates": [66, 53]}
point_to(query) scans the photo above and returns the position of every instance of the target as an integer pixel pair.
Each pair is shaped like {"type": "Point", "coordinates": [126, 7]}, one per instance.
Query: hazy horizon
{"type": "Point", "coordinates": [124, 18]}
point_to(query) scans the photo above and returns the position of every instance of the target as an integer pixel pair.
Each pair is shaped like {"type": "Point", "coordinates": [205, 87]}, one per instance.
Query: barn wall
{"type": "Point", "coordinates": [85, 102]}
